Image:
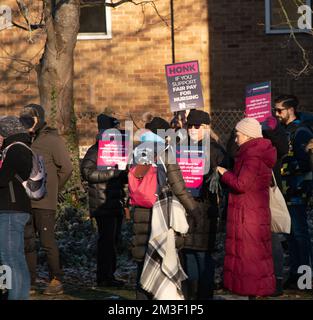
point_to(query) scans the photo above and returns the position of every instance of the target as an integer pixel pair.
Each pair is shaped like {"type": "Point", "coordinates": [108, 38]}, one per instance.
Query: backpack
{"type": "Point", "coordinates": [145, 182]}
{"type": "Point", "coordinates": [143, 185]}
{"type": "Point", "coordinates": [35, 185]}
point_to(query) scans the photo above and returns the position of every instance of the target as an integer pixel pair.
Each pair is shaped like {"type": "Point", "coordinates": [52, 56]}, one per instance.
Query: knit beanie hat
{"type": "Point", "coordinates": [156, 124]}
{"type": "Point", "coordinates": [250, 127]}
{"type": "Point", "coordinates": [10, 126]}
{"type": "Point", "coordinates": [198, 117]}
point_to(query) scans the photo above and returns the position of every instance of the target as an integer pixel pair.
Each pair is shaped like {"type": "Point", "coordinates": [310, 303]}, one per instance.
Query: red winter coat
{"type": "Point", "coordinates": [248, 265]}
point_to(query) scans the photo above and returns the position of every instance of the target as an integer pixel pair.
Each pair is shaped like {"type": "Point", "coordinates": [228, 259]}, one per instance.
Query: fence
{"type": "Point", "coordinates": [224, 121]}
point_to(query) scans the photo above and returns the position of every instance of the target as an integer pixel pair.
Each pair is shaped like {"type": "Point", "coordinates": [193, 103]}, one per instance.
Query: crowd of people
{"type": "Point", "coordinates": [234, 189]}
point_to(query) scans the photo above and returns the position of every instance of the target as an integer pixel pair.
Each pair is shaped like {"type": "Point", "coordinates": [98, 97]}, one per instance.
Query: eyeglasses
{"type": "Point", "coordinates": [279, 111]}
{"type": "Point", "coordinates": [196, 126]}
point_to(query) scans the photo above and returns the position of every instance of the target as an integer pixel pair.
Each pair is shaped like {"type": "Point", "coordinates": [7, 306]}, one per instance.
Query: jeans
{"type": "Point", "coordinates": [42, 221]}
{"type": "Point", "coordinates": [278, 255]}
{"type": "Point", "coordinates": [12, 253]}
{"type": "Point", "coordinates": [200, 268]}
{"type": "Point", "coordinates": [300, 250]}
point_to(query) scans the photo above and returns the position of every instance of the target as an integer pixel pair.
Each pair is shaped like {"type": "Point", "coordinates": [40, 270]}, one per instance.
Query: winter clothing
{"type": "Point", "coordinates": [199, 243]}
{"type": "Point", "coordinates": [107, 191]}
{"type": "Point", "coordinates": [250, 127]}
{"type": "Point", "coordinates": [142, 216]}
{"type": "Point", "coordinates": [11, 125]}
{"type": "Point", "coordinates": [14, 207]}
{"type": "Point", "coordinates": [248, 266]}
{"type": "Point", "coordinates": [109, 230]}
{"type": "Point", "coordinates": [42, 221]}
{"type": "Point", "coordinates": [198, 117]}
{"type": "Point", "coordinates": [18, 160]}
{"type": "Point", "coordinates": [107, 188]}
{"type": "Point", "coordinates": [51, 147]}
{"type": "Point", "coordinates": [297, 189]}
{"type": "Point", "coordinates": [58, 165]}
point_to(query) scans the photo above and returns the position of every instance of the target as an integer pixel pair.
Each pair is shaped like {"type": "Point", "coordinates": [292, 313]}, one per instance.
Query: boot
{"type": "Point", "coordinates": [55, 287]}
{"type": "Point", "coordinates": [279, 288]}
{"type": "Point", "coordinates": [192, 289]}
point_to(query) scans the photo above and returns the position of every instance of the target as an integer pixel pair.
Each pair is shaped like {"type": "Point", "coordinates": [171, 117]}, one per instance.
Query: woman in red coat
{"type": "Point", "coordinates": [248, 265]}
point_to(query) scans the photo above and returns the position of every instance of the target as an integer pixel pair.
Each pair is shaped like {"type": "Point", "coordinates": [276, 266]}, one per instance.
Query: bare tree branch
{"type": "Point", "coordinates": [112, 4]}
{"type": "Point", "coordinates": [307, 65]}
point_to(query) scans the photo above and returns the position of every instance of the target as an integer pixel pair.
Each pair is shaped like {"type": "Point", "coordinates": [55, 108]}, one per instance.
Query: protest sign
{"type": "Point", "coordinates": [184, 86]}
{"type": "Point", "coordinates": [191, 161]}
{"type": "Point", "coordinates": [113, 149]}
{"type": "Point", "coordinates": [258, 101]}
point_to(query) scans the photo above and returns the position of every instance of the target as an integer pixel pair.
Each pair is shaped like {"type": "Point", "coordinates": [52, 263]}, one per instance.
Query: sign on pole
{"type": "Point", "coordinates": [258, 101]}
{"type": "Point", "coordinates": [113, 149]}
{"type": "Point", "coordinates": [184, 86]}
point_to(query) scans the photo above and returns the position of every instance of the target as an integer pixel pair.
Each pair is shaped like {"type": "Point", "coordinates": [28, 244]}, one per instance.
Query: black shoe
{"type": "Point", "coordinates": [291, 283]}
{"type": "Point", "coordinates": [279, 288]}
{"type": "Point", "coordinates": [111, 283]}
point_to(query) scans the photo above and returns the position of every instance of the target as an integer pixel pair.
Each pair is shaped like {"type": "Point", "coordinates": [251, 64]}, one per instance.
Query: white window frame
{"type": "Point", "coordinates": [99, 35]}
{"type": "Point", "coordinates": [268, 21]}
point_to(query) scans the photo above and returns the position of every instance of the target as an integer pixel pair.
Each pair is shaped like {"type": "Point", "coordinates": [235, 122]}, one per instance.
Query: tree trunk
{"type": "Point", "coordinates": [56, 73]}
{"type": "Point", "coordinates": [56, 69]}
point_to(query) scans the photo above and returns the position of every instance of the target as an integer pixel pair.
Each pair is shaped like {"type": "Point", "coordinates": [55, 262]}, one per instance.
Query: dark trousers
{"type": "Point", "coordinates": [109, 229]}
{"type": "Point", "coordinates": [43, 222]}
{"type": "Point", "coordinates": [300, 250]}
{"type": "Point", "coordinates": [278, 255]}
{"type": "Point", "coordinates": [141, 294]}
{"type": "Point", "coordinates": [200, 268]}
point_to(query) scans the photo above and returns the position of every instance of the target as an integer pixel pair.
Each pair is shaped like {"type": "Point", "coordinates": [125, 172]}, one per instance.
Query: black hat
{"type": "Point", "coordinates": [105, 122]}
{"type": "Point", "coordinates": [198, 117]}
{"type": "Point", "coordinates": [10, 126]}
{"type": "Point", "coordinates": [156, 124]}
{"type": "Point", "coordinates": [29, 112]}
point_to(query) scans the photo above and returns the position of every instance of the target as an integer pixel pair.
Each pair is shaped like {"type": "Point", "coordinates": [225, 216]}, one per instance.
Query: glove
{"type": "Point", "coordinates": [214, 179]}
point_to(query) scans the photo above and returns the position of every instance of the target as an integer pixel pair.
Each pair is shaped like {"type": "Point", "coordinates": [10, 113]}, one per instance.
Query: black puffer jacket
{"type": "Point", "coordinates": [107, 188]}
{"type": "Point", "coordinates": [142, 216]}
{"type": "Point", "coordinates": [202, 231]}
{"type": "Point", "coordinates": [18, 160]}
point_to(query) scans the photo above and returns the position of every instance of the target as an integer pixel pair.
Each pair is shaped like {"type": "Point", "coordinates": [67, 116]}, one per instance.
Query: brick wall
{"type": "Point", "coordinates": [126, 73]}
{"type": "Point", "coordinates": [241, 53]}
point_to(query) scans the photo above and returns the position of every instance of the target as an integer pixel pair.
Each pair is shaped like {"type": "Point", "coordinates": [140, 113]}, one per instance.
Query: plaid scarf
{"type": "Point", "coordinates": [162, 272]}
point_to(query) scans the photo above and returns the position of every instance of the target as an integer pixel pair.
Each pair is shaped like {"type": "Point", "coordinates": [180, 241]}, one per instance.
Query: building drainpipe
{"type": "Point", "coordinates": [172, 31]}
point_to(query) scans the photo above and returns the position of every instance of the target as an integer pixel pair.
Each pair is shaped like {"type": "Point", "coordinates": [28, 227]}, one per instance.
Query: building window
{"type": "Point", "coordinates": [95, 23]}
{"type": "Point", "coordinates": [275, 19]}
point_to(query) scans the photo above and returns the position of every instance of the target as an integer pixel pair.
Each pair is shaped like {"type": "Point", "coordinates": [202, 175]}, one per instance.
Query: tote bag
{"type": "Point", "coordinates": [281, 222]}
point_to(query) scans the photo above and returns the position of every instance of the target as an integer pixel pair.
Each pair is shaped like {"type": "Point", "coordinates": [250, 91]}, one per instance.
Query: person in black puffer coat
{"type": "Point", "coordinates": [15, 207]}
{"type": "Point", "coordinates": [107, 200]}
{"type": "Point", "coordinates": [200, 241]}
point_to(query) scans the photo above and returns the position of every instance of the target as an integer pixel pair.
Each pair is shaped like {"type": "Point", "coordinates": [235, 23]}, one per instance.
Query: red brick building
{"type": "Point", "coordinates": [121, 66]}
